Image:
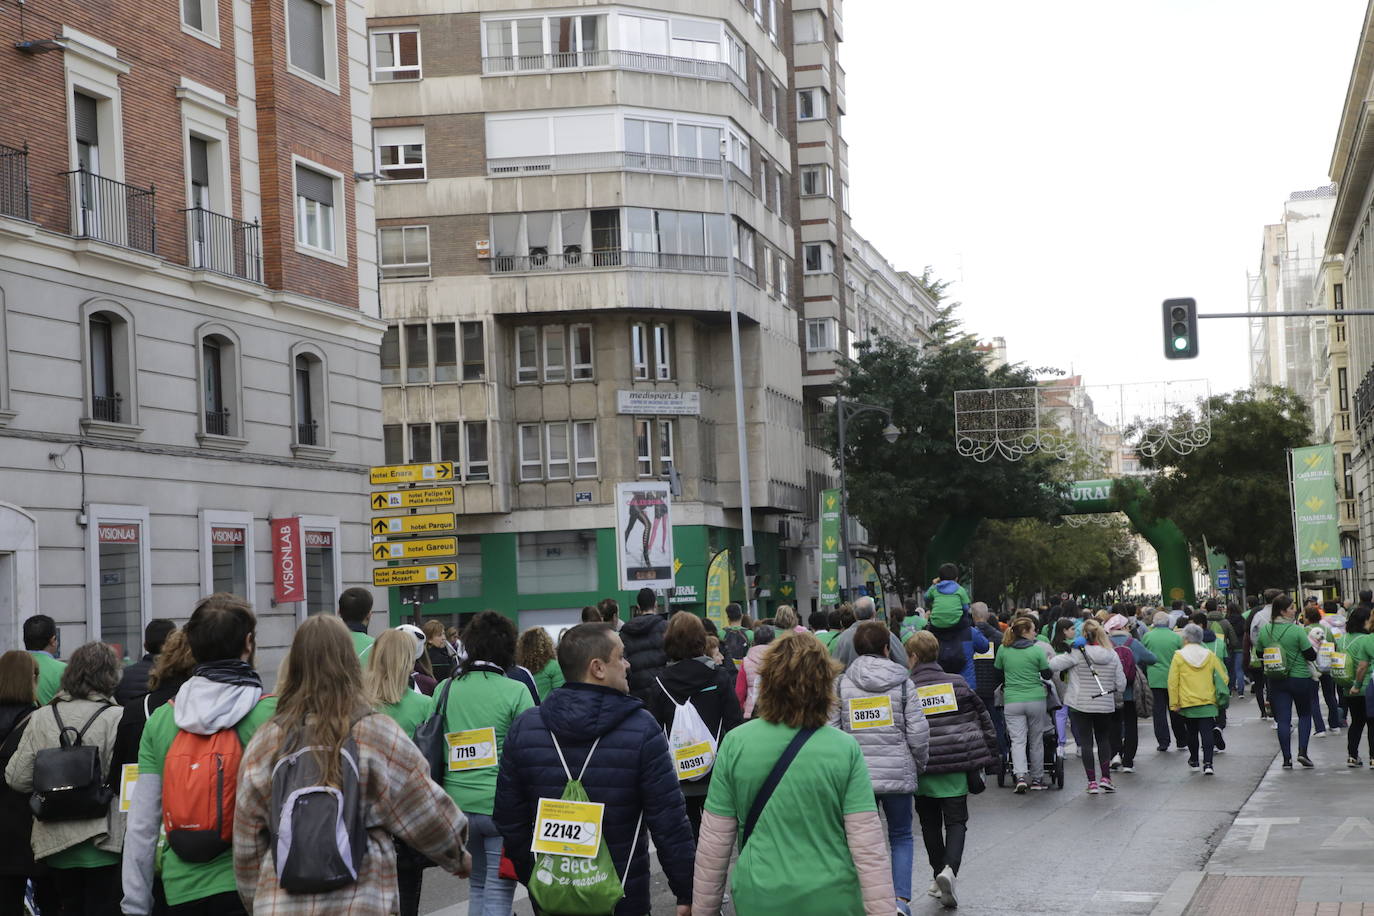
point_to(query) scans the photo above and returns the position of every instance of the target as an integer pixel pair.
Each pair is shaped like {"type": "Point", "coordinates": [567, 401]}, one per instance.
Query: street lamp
{"type": "Point", "coordinates": [741, 430]}
{"type": "Point", "coordinates": [844, 412]}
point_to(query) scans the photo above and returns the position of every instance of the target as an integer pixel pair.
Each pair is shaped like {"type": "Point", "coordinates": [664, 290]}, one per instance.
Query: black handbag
{"type": "Point", "coordinates": [68, 782]}
{"type": "Point", "coordinates": [429, 737]}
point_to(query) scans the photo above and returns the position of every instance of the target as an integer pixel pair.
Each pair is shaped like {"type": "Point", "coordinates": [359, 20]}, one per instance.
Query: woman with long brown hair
{"type": "Point", "coordinates": [321, 705]}
{"type": "Point", "coordinates": [18, 698]}
{"type": "Point", "coordinates": [821, 810]}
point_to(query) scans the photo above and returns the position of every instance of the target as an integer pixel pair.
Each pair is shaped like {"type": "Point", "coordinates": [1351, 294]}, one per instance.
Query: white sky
{"type": "Point", "coordinates": [1072, 163]}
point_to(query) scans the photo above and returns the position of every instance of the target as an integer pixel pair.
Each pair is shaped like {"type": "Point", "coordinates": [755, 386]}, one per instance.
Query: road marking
{"type": "Point", "coordinates": [1341, 838]}
{"type": "Point", "coordinates": [1262, 826]}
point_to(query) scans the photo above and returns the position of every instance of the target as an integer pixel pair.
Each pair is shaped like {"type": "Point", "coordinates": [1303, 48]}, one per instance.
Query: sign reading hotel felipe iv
{"type": "Point", "coordinates": [659, 403]}
{"type": "Point", "coordinates": [410, 499]}
{"type": "Point", "coordinates": [387, 474]}
{"type": "Point", "coordinates": [288, 561]}
{"type": "Point", "coordinates": [830, 547]}
{"type": "Point", "coordinates": [1314, 508]}
{"type": "Point", "coordinates": [718, 588]}
{"type": "Point", "coordinates": [644, 534]}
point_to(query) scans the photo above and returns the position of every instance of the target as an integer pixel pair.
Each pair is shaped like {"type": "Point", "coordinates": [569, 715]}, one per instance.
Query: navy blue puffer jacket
{"type": "Point", "coordinates": [630, 772]}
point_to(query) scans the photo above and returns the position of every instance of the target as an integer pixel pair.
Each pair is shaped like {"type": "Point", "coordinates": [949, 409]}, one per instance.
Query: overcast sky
{"type": "Point", "coordinates": [1070, 164]}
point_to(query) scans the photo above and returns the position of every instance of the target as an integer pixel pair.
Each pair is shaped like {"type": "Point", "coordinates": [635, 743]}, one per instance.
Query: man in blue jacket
{"type": "Point", "coordinates": [630, 770]}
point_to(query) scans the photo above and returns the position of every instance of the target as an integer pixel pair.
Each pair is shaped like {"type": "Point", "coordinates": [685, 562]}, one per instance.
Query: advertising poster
{"type": "Point", "coordinates": [288, 566]}
{"type": "Point", "coordinates": [830, 547]}
{"type": "Point", "coordinates": [644, 535]}
{"type": "Point", "coordinates": [718, 588]}
{"type": "Point", "coordinates": [1315, 526]}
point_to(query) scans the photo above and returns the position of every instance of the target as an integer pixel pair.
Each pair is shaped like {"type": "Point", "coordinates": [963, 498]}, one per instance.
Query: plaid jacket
{"type": "Point", "coordinates": [400, 799]}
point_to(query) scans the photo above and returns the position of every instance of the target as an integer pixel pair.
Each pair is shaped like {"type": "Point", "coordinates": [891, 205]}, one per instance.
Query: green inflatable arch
{"type": "Point", "coordinates": [1088, 497]}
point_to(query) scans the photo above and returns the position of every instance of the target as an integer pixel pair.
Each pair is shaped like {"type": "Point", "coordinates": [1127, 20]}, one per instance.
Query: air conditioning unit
{"type": "Point", "coordinates": [790, 532]}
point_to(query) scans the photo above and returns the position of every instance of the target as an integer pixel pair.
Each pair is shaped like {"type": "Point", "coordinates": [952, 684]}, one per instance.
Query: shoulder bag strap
{"type": "Point", "coordinates": [1101, 691]}
{"type": "Point", "coordinates": [443, 697]}
{"type": "Point", "coordinates": [771, 783]}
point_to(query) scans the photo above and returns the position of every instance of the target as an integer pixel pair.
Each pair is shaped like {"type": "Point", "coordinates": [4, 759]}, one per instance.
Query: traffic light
{"type": "Point", "coordinates": [1180, 328]}
{"type": "Point", "coordinates": [1238, 574]}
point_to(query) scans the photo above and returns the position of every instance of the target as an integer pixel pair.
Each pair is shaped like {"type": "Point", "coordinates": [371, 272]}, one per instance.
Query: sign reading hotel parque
{"type": "Point", "coordinates": [660, 403]}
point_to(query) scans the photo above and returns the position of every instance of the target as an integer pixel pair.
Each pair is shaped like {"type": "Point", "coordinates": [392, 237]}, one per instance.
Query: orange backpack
{"type": "Point", "coordinates": [198, 783]}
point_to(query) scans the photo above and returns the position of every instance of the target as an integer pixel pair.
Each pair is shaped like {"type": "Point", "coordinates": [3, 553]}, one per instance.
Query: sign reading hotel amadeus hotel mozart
{"type": "Point", "coordinates": [659, 403]}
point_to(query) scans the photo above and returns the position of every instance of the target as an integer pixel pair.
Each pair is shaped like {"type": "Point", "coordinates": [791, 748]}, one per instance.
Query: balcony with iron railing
{"type": "Point", "coordinates": [106, 408]}
{"type": "Point", "coordinates": [217, 422]}
{"type": "Point", "coordinates": [224, 245]}
{"type": "Point", "coordinates": [307, 433]}
{"type": "Point", "coordinates": [111, 211]}
{"type": "Point", "coordinates": [617, 161]}
{"type": "Point", "coordinates": [639, 61]}
{"type": "Point", "coordinates": [14, 181]}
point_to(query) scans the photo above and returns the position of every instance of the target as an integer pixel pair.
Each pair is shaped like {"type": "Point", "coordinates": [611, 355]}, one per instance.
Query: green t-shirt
{"type": "Point", "coordinates": [1163, 643]}
{"type": "Point", "coordinates": [49, 676]}
{"type": "Point", "coordinates": [1292, 642]}
{"type": "Point", "coordinates": [1021, 673]}
{"type": "Point", "coordinates": [942, 785]}
{"type": "Point", "coordinates": [481, 699]}
{"type": "Point", "coordinates": [1360, 649]}
{"type": "Point", "coordinates": [361, 643]}
{"type": "Point", "coordinates": [1209, 711]}
{"type": "Point", "coordinates": [548, 679]}
{"type": "Point", "coordinates": [82, 855]}
{"type": "Point", "coordinates": [410, 712]}
{"type": "Point", "coordinates": [827, 780]}
{"type": "Point", "coordinates": [184, 882]}
{"type": "Point", "coordinates": [827, 637]}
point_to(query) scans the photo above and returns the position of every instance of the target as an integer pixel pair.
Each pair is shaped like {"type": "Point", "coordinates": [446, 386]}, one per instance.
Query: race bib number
{"type": "Point", "coordinates": [1325, 650]}
{"type": "Point", "coordinates": [984, 654]}
{"type": "Point", "coordinates": [1273, 660]}
{"type": "Point", "coordinates": [567, 828]}
{"type": "Point", "coordinates": [474, 749]}
{"type": "Point", "coordinates": [693, 760]}
{"type": "Point", "coordinates": [128, 776]}
{"type": "Point", "coordinates": [870, 712]}
{"type": "Point", "coordinates": [1338, 663]}
{"type": "Point", "coordinates": [937, 698]}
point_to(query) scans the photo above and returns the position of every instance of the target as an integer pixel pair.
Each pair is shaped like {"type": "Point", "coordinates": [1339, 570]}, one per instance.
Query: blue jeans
{"type": "Point", "coordinates": [1237, 667]}
{"type": "Point", "coordinates": [898, 810]}
{"type": "Point", "coordinates": [1284, 694]}
{"type": "Point", "coordinates": [489, 894]}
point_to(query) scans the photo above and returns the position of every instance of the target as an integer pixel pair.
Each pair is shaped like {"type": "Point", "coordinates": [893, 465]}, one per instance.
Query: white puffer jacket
{"type": "Point", "coordinates": [894, 753]}
{"type": "Point", "coordinates": [1088, 668]}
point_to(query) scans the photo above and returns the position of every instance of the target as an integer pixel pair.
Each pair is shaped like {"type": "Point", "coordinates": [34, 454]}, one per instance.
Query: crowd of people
{"type": "Point", "coordinates": [178, 785]}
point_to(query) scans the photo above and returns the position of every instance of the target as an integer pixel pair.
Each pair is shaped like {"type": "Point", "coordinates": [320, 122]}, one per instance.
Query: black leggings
{"type": "Point", "coordinates": [1094, 727]}
{"type": "Point", "coordinates": [1200, 729]}
{"type": "Point", "coordinates": [1355, 717]}
{"type": "Point", "coordinates": [944, 823]}
{"type": "Point", "coordinates": [1125, 733]}
{"type": "Point", "coordinates": [12, 895]}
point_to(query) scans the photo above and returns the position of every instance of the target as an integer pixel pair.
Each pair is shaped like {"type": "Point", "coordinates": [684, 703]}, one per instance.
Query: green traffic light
{"type": "Point", "coordinates": [1180, 343]}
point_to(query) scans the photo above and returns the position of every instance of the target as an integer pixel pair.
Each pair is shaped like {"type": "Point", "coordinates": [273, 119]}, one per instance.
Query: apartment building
{"type": "Point", "coordinates": [189, 324]}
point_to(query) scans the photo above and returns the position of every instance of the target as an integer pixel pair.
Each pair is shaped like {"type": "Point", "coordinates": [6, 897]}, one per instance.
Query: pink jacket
{"type": "Point", "coordinates": [747, 682]}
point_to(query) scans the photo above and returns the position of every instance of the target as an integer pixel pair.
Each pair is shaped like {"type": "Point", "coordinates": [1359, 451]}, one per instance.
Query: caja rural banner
{"type": "Point", "coordinates": [644, 535]}
{"type": "Point", "coordinates": [1315, 527]}
{"type": "Point", "coordinates": [830, 547]}
{"type": "Point", "coordinates": [718, 588]}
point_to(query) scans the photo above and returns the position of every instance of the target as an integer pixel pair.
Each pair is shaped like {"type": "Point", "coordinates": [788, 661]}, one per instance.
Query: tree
{"type": "Point", "coordinates": [902, 492]}
{"type": "Point", "coordinates": [1234, 491]}
{"type": "Point", "coordinates": [1014, 558]}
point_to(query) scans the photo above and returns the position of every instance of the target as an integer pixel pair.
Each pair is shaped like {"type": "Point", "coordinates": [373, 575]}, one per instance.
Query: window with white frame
{"type": "Point", "coordinates": [464, 442]}
{"type": "Point", "coordinates": [808, 26]}
{"type": "Point", "coordinates": [547, 353]}
{"type": "Point", "coordinates": [663, 352]}
{"type": "Point", "coordinates": [421, 442]}
{"type": "Point", "coordinates": [816, 181]}
{"type": "Point", "coordinates": [769, 274]}
{"type": "Point", "coordinates": [201, 17]}
{"type": "Point", "coordinates": [555, 353]}
{"type": "Point", "coordinates": [527, 354]}
{"type": "Point", "coordinates": [584, 448]}
{"type": "Point", "coordinates": [556, 448]}
{"type": "Point", "coordinates": [395, 55]}
{"type": "Point", "coordinates": [311, 394]}
{"type": "Point", "coordinates": [476, 462]}
{"type": "Point", "coordinates": [651, 351]}
{"type": "Point", "coordinates": [404, 251]}
{"type": "Point", "coordinates": [393, 444]}
{"type": "Point", "coordinates": [784, 278]}
{"type": "Point", "coordinates": [744, 244]}
{"type": "Point", "coordinates": [818, 258]}
{"type": "Point", "coordinates": [322, 554]}
{"type": "Point", "coordinates": [773, 20]}
{"type": "Point", "coordinates": [582, 353]}
{"type": "Point", "coordinates": [310, 39]}
{"type": "Point", "coordinates": [653, 446]}
{"type": "Point", "coordinates": [735, 54]}
{"type": "Point", "coordinates": [544, 42]}
{"type": "Point", "coordinates": [530, 437]}
{"type": "Point", "coordinates": [119, 590]}
{"type": "Point", "coordinates": [110, 371]}
{"type": "Point", "coordinates": [822, 334]}
{"type": "Point", "coordinates": [445, 351]}
{"type": "Point", "coordinates": [639, 351]}
{"type": "Point", "coordinates": [400, 153]}
{"type": "Point", "coordinates": [315, 209]}
{"type": "Point", "coordinates": [474, 350]}
{"type": "Point", "coordinates": [416, 337]}
{"type": "Point", "coordinates": [226, 552]}
{"type": "Point", "coordinates": [812, 104]}
{"type": "Point", "coordinates": [779, 113]}
{"type": "Point", "coordinates": [696, 39]}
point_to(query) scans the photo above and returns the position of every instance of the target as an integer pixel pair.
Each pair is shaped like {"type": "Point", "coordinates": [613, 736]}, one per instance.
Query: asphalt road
{"type": "Point", "coordinates": [1069, 852]}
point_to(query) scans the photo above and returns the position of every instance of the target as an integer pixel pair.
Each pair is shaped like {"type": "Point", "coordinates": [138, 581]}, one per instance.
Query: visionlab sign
{"type": "Point", "coordinates": [288, 562]}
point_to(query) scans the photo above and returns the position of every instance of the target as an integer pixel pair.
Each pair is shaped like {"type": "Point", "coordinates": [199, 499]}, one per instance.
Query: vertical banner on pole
{"type": "Point", "coordinates": [718, 589]}
{"type": "Point", "coordinates": [644, 535]}
{"type": "Point", "coordinates": [830, 547]}
{"type": "Point", "coordinates": [288, 560]}
{"type": "Point", "coordinates": [1316, 530]}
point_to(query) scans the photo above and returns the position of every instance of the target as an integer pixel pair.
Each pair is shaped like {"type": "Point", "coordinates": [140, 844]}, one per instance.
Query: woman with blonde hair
{"type": "Point", "coordinates": [821, 807]}
{"type": "Point", "coordinates": [1025, 689]}
{"type": "Point", "coordinates": [322, 707]}
{"type": "Point", "coordinates": [785, 619]}
{"type": "Point", "coordinates": [535, 653]}
{"type": "Point", "coordinates": [1097, 686]}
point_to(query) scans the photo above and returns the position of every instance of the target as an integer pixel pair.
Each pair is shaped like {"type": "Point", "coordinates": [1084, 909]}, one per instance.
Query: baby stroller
{"type": "Point", "coordinates": [1054, 762]}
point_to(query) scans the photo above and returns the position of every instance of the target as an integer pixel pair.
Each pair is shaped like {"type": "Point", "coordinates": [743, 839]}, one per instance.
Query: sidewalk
{"type": "Point", "coordinates": [1300, 846]}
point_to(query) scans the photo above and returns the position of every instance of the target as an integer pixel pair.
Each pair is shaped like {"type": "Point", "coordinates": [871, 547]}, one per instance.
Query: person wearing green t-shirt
{"type": "Point", "coordinates": [355, 610]}
{"type": "Point", "coordinates": [1162, 641]}
{"type": "Point", "coordinates": [223, 692]}
{"type": "Point", "coordinates": [535, 653]}
{"type": "Point", "coordinates": [822, 811]}
{"type": "Point", "coordinates": [43, 642]}
{"type": "Point", "coordinates": [1025, 674]}
{"type": "Point", "coordinates": [1284, 651]}
{"type": "Point", "coordinates": [478, 707]}
{"type": "Point", "coordinates": [1353, 647]}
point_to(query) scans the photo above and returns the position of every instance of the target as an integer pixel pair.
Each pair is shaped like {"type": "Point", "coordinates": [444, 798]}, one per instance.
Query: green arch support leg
{"type": "Point", "coordinates": [1090, 497]}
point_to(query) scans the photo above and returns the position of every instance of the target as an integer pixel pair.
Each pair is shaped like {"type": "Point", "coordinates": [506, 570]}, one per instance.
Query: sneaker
{"type": "Point", "coordinates": [1021, 785]}
{"type": "Point", "coordinates": [1038, 785]}
{"type": "Point", "coordinates": [1162, 750]}
{"type": "Point", "coordinates": [945, 882]}
{"type": "Point", "coordinates": [933, 890]}
{"type": "Point", "coordinates": [1106, 785]}
{"type": "Point", "coordinates": [1192, 763]}
{"type": "Point", "coordinates": [1353, 762]}
{"type": "Point", "coordinates": [1371, 762]}
{"type": "Point", "coordinates": [1335, 731]}
{"type": "Point", "coordinates": [1208, 771]}
{"type": "Point", "coordinates": [1274, 725]}
{"type": "Point", "coordinates": [1218, 739]}
{"type": "Point", "coordinates": [1092, 787]}
{"type": "Point", "coordinates": [903, 907]}
{"type": "Point", "coordinates": [1070, 749]}
{"type": "Point", "coordinates": [1116, 762]}
{"type": "Point", "coordinates": [1127, 768]}
{"type": "Point", "coordinates": [1288, 764]}
{"type": "Point", "coordinates": [1320, 734]}
{"type": "Point", "coordinates": [1306, 761]}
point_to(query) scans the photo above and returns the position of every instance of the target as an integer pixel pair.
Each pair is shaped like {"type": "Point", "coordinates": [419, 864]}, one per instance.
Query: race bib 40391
{"type": "Point", "coordinates": [693, 760]}
{"type": "Point", "coordinates": [870, 712]}
{"type": "Point", "coordinates": [474, 749]}
{"type": "Point", "coordinates": [937, 698]}
{"type": "Point", "coordinates": [567, 828]}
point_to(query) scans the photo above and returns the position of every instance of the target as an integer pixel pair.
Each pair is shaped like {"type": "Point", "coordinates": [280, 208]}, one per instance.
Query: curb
{"type": "Point", "coordinates": [1176, 899]}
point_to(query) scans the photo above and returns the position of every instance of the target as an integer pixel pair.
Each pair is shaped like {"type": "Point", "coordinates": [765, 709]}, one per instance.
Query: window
{"type": "Point", "coordinates": [584, 447]}
{"type": "Point", "coordinates": [808, 26]}
{"type": "Point", "coordinates": [474, 351]}
{"type": "Point", "coordinates": [653, 447]}
{"type": "Point", "coordinates": [314, 207]}
{"type": "Point", "coordinates": [201, 18]}
{"type": "Point", "coordinates": [696, 40]}
{"type": "Point", "coordinates": [309, 30]}
{"type": "Point", "coordinates": [531, 459]}
{"type": "Point", "coordinates": [321, 535]}
{"type": "Point", "coordinates": [451, 446]}
{"type": "Point", "coordinates": [556, 440]}
{"type": "Point", "coordinates": [744, 244]}
{"type": "Point", "coordinates": [581, 352]}
{"type": "Point", "coordinates": [769, 273]}
{"type": "Point", "coordinates": [778, 113]}
{"type": "Point", "coordinates": [816, 181]}
{"type": "Point", "coordinates": [735, 54]}
{"type": "Point", "coordinates": [395, 56]}
{"type": "Point", "coordinates": [417, 352]}
{"type": "Point", "coordinates": [784, 278]}
{"type": "Point", "coordinates": [539, 43]}
{"type": "Point", "coordinates": [649, 144]}
{"type": "Point", "coordinates": [576, 41]}
{"type": "Point", "coordinates": [811, 104]}
{"type": "Point", "coordinates": [773, 20]}
{"type": "Point", "coordinates": [641, 33]}
{"type": "Point", "coordinates": [555, 561]}
{"type": "Point", "coordinates": [118, 588]}
{"type": "Point", "coordinates": [391, 355]}
{"type": "Point", "coordinates": [400, 153]}
{"type": "Point", "coordinates": [1343, 387]}
{"type": "Point", "coordinates": [1348, 476]}
{"type": "Point", "coordinates": [311, 399]}
{"type": "Point", "coordinates": [639, 351]}
{"type": "Point", "coordinates": [420, 442]}
{"type": "Point", "coordinates": [527, 354]}
{"type": "Point", "coordinates": [663, 361]}
{"type": "Point", "coordinates": [1338, 299]}
{"type": "Point", "coordinates": [644, 456]}
{"type": "Point", "coordinates": [445, 352]}
{"type": "Point", "coordinates": [212, 378]}
{"type": "Point", "coordinates": [105, 397]}
{"type": "Point", "coordinates": [393, 447]}
{"type": "Point", "coordinates": [405, 252]}
{"type": "Point", "coordinates": [555, 354]}
{"type": "Point", "coordinates": [844, 197]}
{"type": "Point", "coordinates": [226, 548]}
{"type": "Point", "coordinates": [818, 258]}
{"type": "Point", "coordinates": [821, 334]}
{"type": "Point", "coordinates": [476, 436]}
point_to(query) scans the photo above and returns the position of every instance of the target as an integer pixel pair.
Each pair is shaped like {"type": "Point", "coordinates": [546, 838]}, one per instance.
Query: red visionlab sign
{"type": "Point", "coordinates": [288, 562]}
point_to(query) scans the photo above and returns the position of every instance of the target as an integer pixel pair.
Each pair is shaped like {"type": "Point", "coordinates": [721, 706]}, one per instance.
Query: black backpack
{"type": "Point", "coordinates": [735, 644]}
{"type": "Point", "coordinates": [68, 782]}
{"type": "Point", "coordinates": [318, 833]}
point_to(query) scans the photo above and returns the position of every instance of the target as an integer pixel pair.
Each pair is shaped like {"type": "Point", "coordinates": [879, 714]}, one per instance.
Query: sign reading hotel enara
{"type": "Point", "coordinates": [659, 403]}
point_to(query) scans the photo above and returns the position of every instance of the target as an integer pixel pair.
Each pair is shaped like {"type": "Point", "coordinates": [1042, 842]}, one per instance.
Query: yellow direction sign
{"type": "Point", "coordinates": [413, 524]}
{"type": "Point", "coordinates": [421, 547]}
{"type": "Point", "coordinates": [438, 472]}
{"type": "Point", "coordinates": [414, 575]}
{"type": "Point", "coordinates": [407, 499]}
